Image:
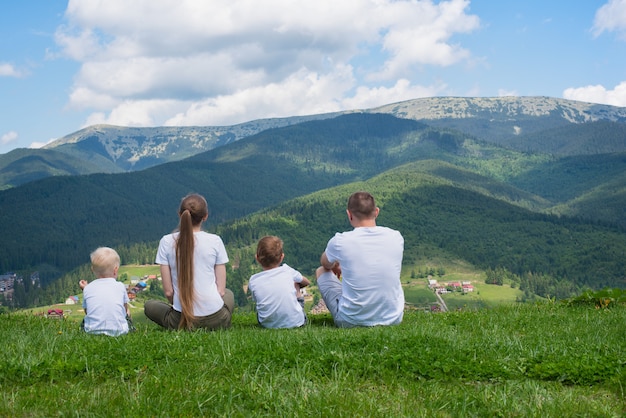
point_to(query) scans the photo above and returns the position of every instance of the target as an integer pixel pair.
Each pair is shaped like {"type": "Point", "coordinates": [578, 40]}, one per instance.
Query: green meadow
{"type": "Point", "coordinates": [543, 359]}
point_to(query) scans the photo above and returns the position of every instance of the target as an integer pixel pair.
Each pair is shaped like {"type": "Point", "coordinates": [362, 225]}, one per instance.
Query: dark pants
{"type": "Point", "coordinates": [165, 315]}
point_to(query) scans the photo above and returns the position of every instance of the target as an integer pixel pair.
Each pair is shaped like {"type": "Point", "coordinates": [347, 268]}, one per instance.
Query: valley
{"type": "Point", "coordinates": [536, 186]}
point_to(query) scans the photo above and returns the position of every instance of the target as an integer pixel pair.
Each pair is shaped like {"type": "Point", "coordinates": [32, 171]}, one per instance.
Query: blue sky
{"type": "Point", "coordinates": [65, 65]}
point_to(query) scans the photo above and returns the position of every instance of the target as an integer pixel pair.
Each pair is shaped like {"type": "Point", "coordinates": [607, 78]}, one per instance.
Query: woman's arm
{"type": "Point", "coordinates": [166, 280]}
{"type": "Point", "coordinates": [220, 278]}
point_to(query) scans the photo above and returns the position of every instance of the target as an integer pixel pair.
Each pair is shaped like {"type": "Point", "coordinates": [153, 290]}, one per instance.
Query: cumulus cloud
{"type": "Point", "coordinates": [182, 62]}
{"type": "Point", "coordinates": [36, 145]}
{"type": "Point", "coordinates": [507, 93]}
{"type": "Point", "coordinates": [611, 18]}
{"type": "Point", "coordinates": [598, 94]}
{"type": "Point", "coordinates": [8, 70]}
{"type": "Point", "coordinates": [366, 97]}
{"type": "Point", "coordinates": [8, 137]}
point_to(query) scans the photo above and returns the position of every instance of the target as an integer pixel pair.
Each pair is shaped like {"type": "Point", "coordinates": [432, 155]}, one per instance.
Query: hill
{"type": "Point", "coordinates": [537, 124]}
{"type": "Point", "coordinates": [60, 219]}
{"type": "Point", "coordinates": [502, 120]}
{"type": "Point", "coordinates": [548, 360]}
{"type": "Point", "coordinates": [115, 149]}
{"type": "Point", "coordinates": [22, 166]}
{"type": "Point", "coordinates": [441, 218]}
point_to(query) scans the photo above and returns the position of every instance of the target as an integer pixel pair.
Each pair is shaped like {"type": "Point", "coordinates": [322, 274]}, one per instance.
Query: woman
{"type": "Point", "coordinates": [193, 271]}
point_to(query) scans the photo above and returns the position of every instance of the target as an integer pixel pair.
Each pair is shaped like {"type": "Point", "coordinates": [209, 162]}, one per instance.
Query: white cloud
{"type": "Point", "coordinates": [507, 93]}
{"type": "Point", "coordinates": [366, 97]}
{"type": "Point", "coordinates": [137, 113]}
{"type": "Point", "coordinates": [611, 18]}
{"type": "Point", "coordinates": [9, 137]}
{"type": "Point", "coordinates": [598, 94]}
{"type": "Point", "coordinates": [229, 61]}
{"type": "Point", "coordinates": [36, 145]}
{"type": "Point", "coordinates": [304, 92]}
{"type": "Point", "coordinates": [419, 33]}
{"type": "Point", "coordinates": [8, 70]}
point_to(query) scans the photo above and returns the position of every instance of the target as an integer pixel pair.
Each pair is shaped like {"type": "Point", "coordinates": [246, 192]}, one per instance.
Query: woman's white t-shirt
{"type": "Point", "coordinates": [209, 251]}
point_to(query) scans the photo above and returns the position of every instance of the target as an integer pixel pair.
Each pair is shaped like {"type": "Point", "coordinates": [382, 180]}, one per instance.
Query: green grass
{"type": "Point", "coordinates": [483, 296]}
{"type": "Point", "coordinates": [521, 360]}
{"type": "Point", "coordinates": [139, 271]}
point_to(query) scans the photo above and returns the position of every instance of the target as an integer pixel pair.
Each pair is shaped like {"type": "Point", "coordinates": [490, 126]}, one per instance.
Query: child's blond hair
{"type": "Point", "coordinates": [104, 261]}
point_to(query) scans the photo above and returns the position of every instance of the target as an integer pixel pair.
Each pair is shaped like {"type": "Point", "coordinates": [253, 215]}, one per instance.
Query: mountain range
{"type": "Point", "coordinates": [520, 123]}
{"type": "Point", "coordinates": [531, 184]}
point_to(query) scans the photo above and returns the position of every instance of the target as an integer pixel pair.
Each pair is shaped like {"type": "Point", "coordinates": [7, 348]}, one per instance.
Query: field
{"type": "Point", "coordinates": [548, 360]}
{"type": "Point", "coordinates": [135, 271]}
{"type": "Point", "coordinates": [487, 356]}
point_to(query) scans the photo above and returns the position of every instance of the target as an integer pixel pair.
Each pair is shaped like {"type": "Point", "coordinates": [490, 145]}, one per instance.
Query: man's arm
{"type": "Point", "coordinates": [334, 266]}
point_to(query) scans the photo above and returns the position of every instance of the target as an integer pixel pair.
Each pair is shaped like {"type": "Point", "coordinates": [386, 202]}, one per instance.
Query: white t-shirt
{"type": "Point", "coordinates": [371, 260]}
{"type": "Point", "coordinates": [104, 300]}
{"type": "Point", "coordinates": [209, 251]}
{"type": "Point", "coordinates": [275, 296]}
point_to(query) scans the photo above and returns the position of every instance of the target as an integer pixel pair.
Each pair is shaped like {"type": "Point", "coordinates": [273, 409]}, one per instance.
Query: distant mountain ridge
{"type": "Point", "coordinates": [522, 123]}
{"type": "Point", "coordinates": [528, 124]}
{"type": "Point", "coordinates": [131, 147]}
{"type": "Point", "coordinates": [502, 108]}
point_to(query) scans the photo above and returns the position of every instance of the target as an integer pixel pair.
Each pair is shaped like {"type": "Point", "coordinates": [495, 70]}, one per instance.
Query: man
{"type": "Point", "coordinates": [359, 276]}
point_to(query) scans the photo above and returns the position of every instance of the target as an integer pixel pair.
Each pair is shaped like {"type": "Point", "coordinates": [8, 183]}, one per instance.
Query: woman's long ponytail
{"type": "Point", "coordinates": [193, 211]}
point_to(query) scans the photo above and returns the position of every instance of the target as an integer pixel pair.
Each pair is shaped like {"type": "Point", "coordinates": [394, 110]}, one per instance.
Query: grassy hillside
{"type": "Point", "coordinates": [61, 219]}
{"type": "Point", "coordinates": [600, 137]}
{"type": "Point", "coordinates": [51, 225]}
{"type": "Point", "coordinates": [440, 219]}
{"type": "Point", "coordinates": [546, 360]}
{"type": "Point", "coordinates": [21, 166]}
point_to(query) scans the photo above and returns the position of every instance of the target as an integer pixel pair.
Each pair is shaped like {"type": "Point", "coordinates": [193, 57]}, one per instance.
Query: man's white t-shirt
{"type": "Point", "coordinates": [275, 296]}
{"type": "Point", "coordinates": [209, 251]}
{"type": "Point", "coordinates": [104, 300]}
{"type": "Point", "coordinates": [371, 261]}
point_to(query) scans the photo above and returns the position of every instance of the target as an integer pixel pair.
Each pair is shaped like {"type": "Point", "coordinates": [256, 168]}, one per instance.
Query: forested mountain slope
{"type": "Point", "coordinates": [501, 120]}
{"type": "Point", "coordinates": [60, 219]}
{"type": "Point", "coordinates": [599, 137]}
{"type": "Point", "coordinates": [438, 216]}
{"type": "Point", "coordinates": [21, 166]}
{"type": "Point", "coordinates": [537, 124]}
{"type": "Point", "coordinates": [51, 225]}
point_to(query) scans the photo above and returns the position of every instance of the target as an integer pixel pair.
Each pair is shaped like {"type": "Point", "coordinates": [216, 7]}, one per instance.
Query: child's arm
{"type": "Point", "coordinates": [304, 283]}
{"type": "Point", "coordinates": [299, 285]}
{"type": "Point", "coordinates": [127, 309]}
{"type": "Point", "coordinates": [83, 283]}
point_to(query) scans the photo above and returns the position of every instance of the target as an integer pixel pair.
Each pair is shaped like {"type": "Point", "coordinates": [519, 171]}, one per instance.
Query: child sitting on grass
{"type": "Point", "coordinates": [105, 300]}
{"type": "Point", "coordinates": [276, 290]}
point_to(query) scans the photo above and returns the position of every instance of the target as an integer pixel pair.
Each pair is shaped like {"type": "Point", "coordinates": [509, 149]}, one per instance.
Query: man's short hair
{"type": "Point", "coordinates": [362, 205]}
